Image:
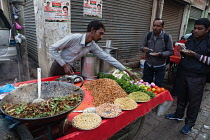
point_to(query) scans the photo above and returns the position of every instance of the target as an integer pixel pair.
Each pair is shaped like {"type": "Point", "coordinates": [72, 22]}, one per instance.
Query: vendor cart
{"type": "Point", "coordinates": [127, 124]}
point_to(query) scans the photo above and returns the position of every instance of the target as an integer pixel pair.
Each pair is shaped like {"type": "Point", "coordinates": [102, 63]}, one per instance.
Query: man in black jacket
{"type": "Point", "coordinates": [191, 74]}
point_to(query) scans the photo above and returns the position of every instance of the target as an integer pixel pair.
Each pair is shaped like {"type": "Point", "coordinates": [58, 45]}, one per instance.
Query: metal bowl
{"type": "Point", "coordinates": [49, 89]}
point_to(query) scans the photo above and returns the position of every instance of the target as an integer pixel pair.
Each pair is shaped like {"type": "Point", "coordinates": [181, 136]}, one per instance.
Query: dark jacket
{"type": "Point", "coordinates": [158, 45]}
{"type": "Point", "coordinates": [192, 65]}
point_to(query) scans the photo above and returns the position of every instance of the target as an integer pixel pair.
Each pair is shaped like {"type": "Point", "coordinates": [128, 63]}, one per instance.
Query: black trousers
{"type": "Point", "coordinates": [56, 69]}
{"type": "Point", "coordinates": [150, 72]}
{"type": "Point", "coordinates": [191, 87]}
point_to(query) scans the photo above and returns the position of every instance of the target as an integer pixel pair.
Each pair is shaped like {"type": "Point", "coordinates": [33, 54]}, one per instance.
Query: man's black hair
{"type": "Point", "coordinates": [98, 5]}
{"type": "Point", "coordinates": [203, 21]}
{"type": "Point", "coordinates": [96, 25]}
{"type": "Point", "coordinates": [65, 7]}
{"type": "Point", "coordinates": [160, 19]}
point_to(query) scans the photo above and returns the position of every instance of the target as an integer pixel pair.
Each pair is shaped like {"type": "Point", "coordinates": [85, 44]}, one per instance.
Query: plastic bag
{"type": "Point", "coordinates": [17, 26]}
{"type": "Point", "coordinates": [6, 88]}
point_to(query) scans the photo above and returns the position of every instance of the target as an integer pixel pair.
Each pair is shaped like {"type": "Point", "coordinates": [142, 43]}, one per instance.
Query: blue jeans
{"type": "Point", "coordinates": [149, 73]}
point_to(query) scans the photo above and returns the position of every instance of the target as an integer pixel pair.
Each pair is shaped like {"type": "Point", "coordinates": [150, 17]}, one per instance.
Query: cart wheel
{"type": "Point", "coordinates": [65, 125]}
{"type": "Point", "coordinates": [131, 131]}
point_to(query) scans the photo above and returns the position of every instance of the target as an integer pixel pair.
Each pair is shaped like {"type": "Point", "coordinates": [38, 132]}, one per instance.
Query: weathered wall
{"type": "Point", "coordinates": [47, 34]}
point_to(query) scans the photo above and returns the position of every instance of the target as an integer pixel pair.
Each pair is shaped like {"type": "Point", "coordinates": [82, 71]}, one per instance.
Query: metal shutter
{"type": "Point", "coordinates": [30, 30]}
{"type": "Point", "coordinates": [195, 13]}
{"type": "Point", "coordinates": [126, 23]}
{"type": "Point", "coordinates": [172, 15]}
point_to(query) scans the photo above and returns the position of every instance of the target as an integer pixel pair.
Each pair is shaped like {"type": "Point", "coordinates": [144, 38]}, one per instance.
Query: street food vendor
{"type": "Point", "coordinates": [73, 46]}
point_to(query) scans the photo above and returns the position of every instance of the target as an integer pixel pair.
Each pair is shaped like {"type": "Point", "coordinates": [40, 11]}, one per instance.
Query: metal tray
{"type": "Point", "coordinates": [73, 121]}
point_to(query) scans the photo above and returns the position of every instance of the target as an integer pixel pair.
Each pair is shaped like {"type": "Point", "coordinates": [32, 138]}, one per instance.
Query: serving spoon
{"type": "Point", "coordinates": [39, 99]}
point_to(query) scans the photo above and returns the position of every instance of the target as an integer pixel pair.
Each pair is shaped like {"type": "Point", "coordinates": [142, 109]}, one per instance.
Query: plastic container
{"type": "Point", "coordinates": [142, 63]}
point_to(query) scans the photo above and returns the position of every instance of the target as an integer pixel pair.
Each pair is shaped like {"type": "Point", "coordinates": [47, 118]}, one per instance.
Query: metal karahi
{"type": "Point", "coordinates": [49, 89]}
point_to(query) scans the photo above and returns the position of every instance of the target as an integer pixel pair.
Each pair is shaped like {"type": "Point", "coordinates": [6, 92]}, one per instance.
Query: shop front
{"type": "Point", "coordinates": [173, 17]}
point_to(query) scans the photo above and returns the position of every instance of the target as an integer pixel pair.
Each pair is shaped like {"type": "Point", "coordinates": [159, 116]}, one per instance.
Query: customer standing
{"type": "Point", "coordinates": [192, 71]}
{"type": "Point", "coordinates": [72, 47]}
{"type": "Point", "coordinates": [158, 46]}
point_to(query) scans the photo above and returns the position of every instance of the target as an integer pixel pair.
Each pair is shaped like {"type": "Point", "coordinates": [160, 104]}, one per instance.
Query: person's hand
{"type": "Point", "coordinates": [181, 47]}
{"type": "Point", "coordinates": [132, 75]}
{"type": "Point", "coordinates": [145, 49]}
{"type": "Point", "coordinates": [68, 70]}
{"type": "Point", "coordinates": [190, 53]}
{"type": "Point", "coordinates": [156, 54]}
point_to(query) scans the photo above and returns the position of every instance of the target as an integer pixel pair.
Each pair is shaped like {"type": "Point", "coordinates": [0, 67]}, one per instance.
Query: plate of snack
{"type": "Point", "coordinates": [139, 96]}
{"type": "Point", "coordinates": [154, 53]}
{"type": "Point", "coordinates": [86, 121]}
{"type": "Point", "coordinates": [108, 110]}
{"type": "Point", "coordinates": [187, 51]}
{"type": "Point", "coordinates": [126, 103]}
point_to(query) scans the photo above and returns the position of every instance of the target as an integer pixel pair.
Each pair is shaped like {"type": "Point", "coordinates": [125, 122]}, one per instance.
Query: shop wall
{"type": "Point", "coordinates": [47, 33]}
{"type": "Point", "coordinates": [126, 24]}
{"type": "Point", "coordinates": [172, 14]}
{"type": "Point", "coordinates": [5, 7]}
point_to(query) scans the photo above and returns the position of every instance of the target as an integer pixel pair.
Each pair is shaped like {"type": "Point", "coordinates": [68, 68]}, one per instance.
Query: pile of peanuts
{"type": "Point", "coordinates": [108, 110]}
{"type": "Point", "coordinates": [104, 91]}
{"type": "Point", "coordinates": [126, 103]}
{"type": "Point", "coordinates": [87, 121]}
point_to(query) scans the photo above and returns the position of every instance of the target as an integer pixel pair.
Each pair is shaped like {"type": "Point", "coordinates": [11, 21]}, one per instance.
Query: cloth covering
{"type": "Point", "coordinates": [111, 126]}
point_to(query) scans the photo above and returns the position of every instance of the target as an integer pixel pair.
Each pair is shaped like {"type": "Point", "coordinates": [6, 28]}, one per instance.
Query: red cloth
{"type": "Point", "coordinates": [111, 126]}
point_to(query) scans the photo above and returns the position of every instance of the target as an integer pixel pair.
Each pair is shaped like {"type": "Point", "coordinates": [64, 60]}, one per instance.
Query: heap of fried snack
{"type": "Point", "coordinates": [104, 91]}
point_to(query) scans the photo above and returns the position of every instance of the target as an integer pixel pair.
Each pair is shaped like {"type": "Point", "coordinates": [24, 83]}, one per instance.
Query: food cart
{"type": "Point", "coordinates": [109, 126]}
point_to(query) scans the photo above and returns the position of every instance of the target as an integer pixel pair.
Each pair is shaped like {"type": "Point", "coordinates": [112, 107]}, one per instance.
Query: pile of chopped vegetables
{"type": "Point", "coordinates": [50, 107]}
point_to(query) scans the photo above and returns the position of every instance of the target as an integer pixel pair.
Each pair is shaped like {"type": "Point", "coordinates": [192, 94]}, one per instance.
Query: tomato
{"type": "Point", "coordinates": [162, 89]}
{"type": "Point", "coordinates": [156, 87]}
{"type": "Point", "coordinates": [149, 89]}
{"type": "Point", "coordinates": [158, 90]}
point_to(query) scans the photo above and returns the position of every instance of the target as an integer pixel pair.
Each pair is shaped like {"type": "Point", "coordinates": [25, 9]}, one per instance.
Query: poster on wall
{"type": "Point", "coordinates": [92, 8]}
{"type": "Point", "coordinates": [57, 10]}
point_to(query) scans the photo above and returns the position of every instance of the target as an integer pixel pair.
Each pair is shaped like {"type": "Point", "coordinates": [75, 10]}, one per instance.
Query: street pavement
{"type": "Point", "coordinates": [159, 128]}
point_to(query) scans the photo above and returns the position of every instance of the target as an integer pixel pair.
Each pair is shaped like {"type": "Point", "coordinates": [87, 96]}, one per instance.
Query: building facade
{"type": "Point", "coordinates": [126, 24]}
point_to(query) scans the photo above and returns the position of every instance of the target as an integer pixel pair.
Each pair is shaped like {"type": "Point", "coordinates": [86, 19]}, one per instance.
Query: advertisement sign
{"type": "Point", "coordinates": [92, 8]}
{"type": "Point", "coordinates": [57, 11]}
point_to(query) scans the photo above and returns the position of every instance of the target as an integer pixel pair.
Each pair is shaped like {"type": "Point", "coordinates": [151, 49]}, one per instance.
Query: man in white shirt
{"type": "Point", "coordinates": [74, 46]}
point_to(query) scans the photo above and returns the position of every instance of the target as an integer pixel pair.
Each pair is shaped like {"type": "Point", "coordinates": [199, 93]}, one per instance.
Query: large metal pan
{"type": "Point", "coordinates": [49, 89]}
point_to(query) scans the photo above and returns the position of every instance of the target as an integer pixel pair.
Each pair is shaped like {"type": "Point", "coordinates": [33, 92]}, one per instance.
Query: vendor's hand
{"type": "Point", "coordinates": [132, 75]}
{"type": "Point", "coordinates": [68, 70]}
{"type": "Point", "coordinates": [145, 49]}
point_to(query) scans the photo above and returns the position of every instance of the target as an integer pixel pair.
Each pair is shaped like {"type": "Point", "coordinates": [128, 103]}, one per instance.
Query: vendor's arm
{"type": "Point", "coordinates": [111, 60]}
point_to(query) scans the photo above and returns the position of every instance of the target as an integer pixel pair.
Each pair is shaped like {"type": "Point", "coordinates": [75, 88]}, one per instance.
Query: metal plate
{"type": "Point", "coordinates": [154, 54]}
{"type": "Point", "coordinates": [103, 110]}
{"type": "Point", "coordinates": [85, 121]}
